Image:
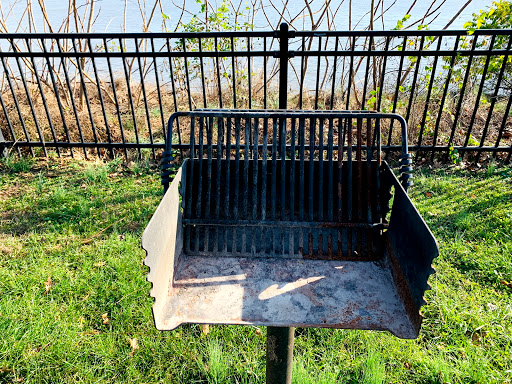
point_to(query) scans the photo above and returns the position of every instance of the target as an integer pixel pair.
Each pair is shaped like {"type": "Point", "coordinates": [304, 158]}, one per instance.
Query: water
{"type": "Point", "coordinates": [109, 14]}
{"type": "Point", "coordinates": [109, 17]}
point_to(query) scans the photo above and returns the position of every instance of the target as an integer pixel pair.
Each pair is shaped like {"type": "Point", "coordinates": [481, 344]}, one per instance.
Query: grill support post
{"type": "Point", "coordinates": [279, 354]}
{"type": "Point", "coordinates": [280, 339]}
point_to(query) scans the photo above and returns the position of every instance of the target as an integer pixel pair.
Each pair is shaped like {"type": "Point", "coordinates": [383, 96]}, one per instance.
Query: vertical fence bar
{"type": "Point", "coordinates": [397, 89]}
{"type": "Point", "coordinates": [201, 68]}
{"type": "Point", "coordinates": [478, 97]}
{"type": "Point", "coordinates": [249, 83]}
{"type": "Point", "coordinates": [493, 100]}
{"type": "Point", "coordinates": [11, 129]}
{"type": "Point", "coordinates": [16, 103]}
{"type": "Point", "coordinates": [283, 66]}
{"type": "Point", "coordinates": [333, 83]}
{"type": "Point", "coordinates": [57, 96]}
{"type": "Point", "coordinates": [217, 65]}
{"type": "Point", "coordinates": [86, 95]}
{"type": "Point", "coordinates": [130, 99]}
{"type": "Point", "coordinates": [427, 98]}
{"type": "Point", "coordinates": [187, 74]}
{"type": "Point", "coordinates": [29, 99]}
{"type": "Point", "coordinates": [233, 71]}
{"type": "Point", "coordinates": [350, 72]}
{"type": "Point", "coordinates": [414, 79]}
{"type": "Point", "coordinates": [302, 73]}
{"type": "Point", "coordinates": [158, 91]}
{"type": "Point", "coordinates": [43, 98]}
{"type": "Point", "coordinates": [441, 106]}
{"type": "Point", "coordinates": [463, 89]}
{"type": "Point", "coordinates": [145, 97]}
{"type": "Point", "coordinates": [71, 96]}
{"type": "Point", "coordinates": [445, 93]}
{"type": "Point", "coordinates": [118, 112]}
{"type": "Point", "coordinates": [502, 127]}
{"type": "Point", "coordinates": [173, 84]}
{"type": "Point", "coordinates": [381, 83]}
{"type": "Point", "coordinates": [265, 73]}
{"type": "Point", "coordinates": [317, 84]}
{"type": "Point", "coordinates": [366, 74]}
{"type": "Point", "coordinates": [100, 95]}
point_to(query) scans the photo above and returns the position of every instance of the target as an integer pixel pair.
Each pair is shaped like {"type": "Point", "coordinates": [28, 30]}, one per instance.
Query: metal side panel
{"type": "Point", "coordinates": [411, 249]}
{"type": "Point", "coordinates": [162, 241]}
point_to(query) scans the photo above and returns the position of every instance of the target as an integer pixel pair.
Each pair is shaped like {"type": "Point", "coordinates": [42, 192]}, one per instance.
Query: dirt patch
{"type": "Point", "coordinates": [10, 191]}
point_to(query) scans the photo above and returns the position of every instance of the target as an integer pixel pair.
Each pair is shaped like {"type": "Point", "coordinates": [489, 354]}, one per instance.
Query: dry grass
{"type": "Point", "coordinates": [152, 116]}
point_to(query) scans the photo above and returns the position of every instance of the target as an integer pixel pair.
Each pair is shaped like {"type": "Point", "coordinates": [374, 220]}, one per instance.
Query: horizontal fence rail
{"type": "Point", "coordinates": [102, 94]}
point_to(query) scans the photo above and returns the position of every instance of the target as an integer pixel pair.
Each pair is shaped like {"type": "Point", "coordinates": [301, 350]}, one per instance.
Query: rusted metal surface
{"type": "Point", "coordinates": [286, 292]}
{"type": "Point", "coordinates": [279, 219]}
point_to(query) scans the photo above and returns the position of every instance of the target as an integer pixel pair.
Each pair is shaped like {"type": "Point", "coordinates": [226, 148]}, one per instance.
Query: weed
{"type": "Point", "coordinates": [15, 164]}
{"type": "Point", "coordinates": [217, 364]}
{"type": "Point", "coordinates": [491, 168]}
{"type": "Point", "coordinates": [453, 154]}
{"type": "Point", "coordinates": [374, 372]}
{"type": "Point", "coordinates": [96, 173]}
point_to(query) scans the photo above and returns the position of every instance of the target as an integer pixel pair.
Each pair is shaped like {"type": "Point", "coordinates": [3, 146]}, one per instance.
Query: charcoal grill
{"type": "Point", "coordinates": [282, 218]}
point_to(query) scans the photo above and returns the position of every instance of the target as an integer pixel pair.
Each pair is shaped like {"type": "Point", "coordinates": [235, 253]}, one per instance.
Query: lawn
{"type": "Point", "coordinates": [74, 303]}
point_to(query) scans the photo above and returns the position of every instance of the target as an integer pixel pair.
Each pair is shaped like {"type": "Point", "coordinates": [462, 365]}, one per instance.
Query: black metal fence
{"type": "Point", "coordinates": [101, 94]}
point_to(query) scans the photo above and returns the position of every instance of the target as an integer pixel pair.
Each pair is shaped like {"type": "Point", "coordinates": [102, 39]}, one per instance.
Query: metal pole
{"type": "Point", "coordinates": [280, 339]}
{"type": "Point", "coordinates": [279, 354]}
{"type": "Point", "coordinates": [283, 65]}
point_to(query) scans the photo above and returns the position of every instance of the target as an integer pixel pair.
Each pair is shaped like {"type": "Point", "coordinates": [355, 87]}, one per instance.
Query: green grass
{"type": "Point", "coordinates": [73, 294]}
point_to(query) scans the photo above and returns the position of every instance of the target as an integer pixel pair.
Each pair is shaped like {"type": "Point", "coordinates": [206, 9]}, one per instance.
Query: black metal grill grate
{"type": "Point", "coordinates": [292, 184]}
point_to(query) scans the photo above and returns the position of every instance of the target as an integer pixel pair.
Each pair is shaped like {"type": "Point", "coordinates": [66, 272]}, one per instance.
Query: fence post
{"type": "Point", "coordinates": [280, 339]}
{"type": "Point", "coordinates": [283, 65]}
